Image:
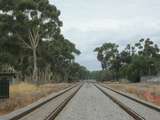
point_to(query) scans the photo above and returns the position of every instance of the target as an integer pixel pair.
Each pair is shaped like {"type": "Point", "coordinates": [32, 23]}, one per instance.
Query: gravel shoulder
{"type": "Point", "coordinates": [91, 104]}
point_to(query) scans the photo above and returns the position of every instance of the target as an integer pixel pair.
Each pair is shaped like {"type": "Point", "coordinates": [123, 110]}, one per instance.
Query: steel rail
{"type": "Point", "coordinates": [147, 104]}
{"type": "Point", "coordinates": [127, 109]}
{"type": "Point", "coordinates": [56, 112]}
{"type": "Point", "coordinates": [18, 114]}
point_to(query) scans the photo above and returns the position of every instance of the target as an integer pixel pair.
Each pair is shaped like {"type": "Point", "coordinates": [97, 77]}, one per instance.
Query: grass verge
{"type": "Point", "coordinates": [145, 91]}
{"type": "Point", "coordinates": [24, 94]}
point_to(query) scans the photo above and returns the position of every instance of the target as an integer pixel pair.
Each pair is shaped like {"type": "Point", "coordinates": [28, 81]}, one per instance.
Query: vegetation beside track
{"type": "Point", "coordinates": [24, 94]}
{"type": "Point", "coordinates": [147, 92]}
{"type": "Point", "coordinates": [32, 44]}
{"type": "Point", "coordinates": [132, 63]}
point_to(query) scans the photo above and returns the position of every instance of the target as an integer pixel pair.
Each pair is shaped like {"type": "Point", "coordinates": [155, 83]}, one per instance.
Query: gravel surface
{"type": "Point", "coordinates": [146, 112]}
{"type": "Point", "coordinates": [42, 112]}
{"type": "Point", "coordinates": [91, 104]}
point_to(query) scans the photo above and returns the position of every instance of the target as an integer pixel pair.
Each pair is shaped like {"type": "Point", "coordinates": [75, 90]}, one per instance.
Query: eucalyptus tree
{"type": "Point", "coordinates": [25, 24]}
{"type": "Point", "coordinates": [62, 53]}
{"type": "Point", "coordinates": [106, 53]}
{"type": "Point", "coordinates": [150, 51]}
{"type": "Point", "coordinates": [140, 60]}
{"type": "Point", "coordinates": [31, 41]}
{"type": "Point", "coordinates": [77, 72]}
{"type": "Point", "coordinates": [135, 61]}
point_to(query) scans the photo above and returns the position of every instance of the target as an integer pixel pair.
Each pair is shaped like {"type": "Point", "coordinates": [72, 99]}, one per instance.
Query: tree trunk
{"type": "Point", "coordinates": [35, 70]}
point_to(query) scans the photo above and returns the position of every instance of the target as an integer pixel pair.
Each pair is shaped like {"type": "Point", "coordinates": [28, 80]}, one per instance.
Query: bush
{"type": "Point", "coordinates": [105, 76]}
{"type": "Point", "coordinates": [133, 74]}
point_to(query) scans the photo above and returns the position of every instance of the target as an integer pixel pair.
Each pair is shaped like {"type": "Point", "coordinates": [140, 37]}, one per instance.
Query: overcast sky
{"type": "Point", "coordinates": [90, 23]}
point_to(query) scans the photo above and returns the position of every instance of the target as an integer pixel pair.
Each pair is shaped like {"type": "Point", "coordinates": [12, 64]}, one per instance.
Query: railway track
{"type": "Point", "coordinates": [135, 115]}
{"type": "Point", "coordinates": [138, 109]}
{"type": "Point", "coordinates": [87, 104]}
{"type": "Point", "coordinates": [46, 109]}
{"type": "Point", "coordinates": [91, 104]}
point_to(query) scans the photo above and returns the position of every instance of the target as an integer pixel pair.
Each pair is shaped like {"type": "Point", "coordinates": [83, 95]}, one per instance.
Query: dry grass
{"type": "Point", "coordinates": [24, 88]}
{"type": "Point", "coordinates": [24, 94]}
{"type": "Point", "coordinates": [148, 92]}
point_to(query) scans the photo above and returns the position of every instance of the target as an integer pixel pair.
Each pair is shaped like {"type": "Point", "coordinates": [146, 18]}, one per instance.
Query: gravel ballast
{"type": "Point", "coordinates": [144, 111]}
{"type": "Point", "coordinates": [91, 104]}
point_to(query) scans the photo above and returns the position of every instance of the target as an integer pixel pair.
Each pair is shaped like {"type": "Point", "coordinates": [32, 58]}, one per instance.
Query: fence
{"type": "Point", "coordinates": [151, 79]}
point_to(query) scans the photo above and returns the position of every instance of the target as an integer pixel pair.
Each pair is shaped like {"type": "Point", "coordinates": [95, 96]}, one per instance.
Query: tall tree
{"type": "Point", "coordinates": [33, 43]}
{"type": "Point", "coordinates": [141, 59]}
{"type": "Point", "coordinates": [106, 53]}
{"type": "Point", "coordinates": [29, 21]}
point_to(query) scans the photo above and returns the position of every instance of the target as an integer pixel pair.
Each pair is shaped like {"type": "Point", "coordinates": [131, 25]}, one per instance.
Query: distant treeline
{"type": "Point", "coordinates": [31, 43]}
{"type": "Point", "coordinates": [135, 61]}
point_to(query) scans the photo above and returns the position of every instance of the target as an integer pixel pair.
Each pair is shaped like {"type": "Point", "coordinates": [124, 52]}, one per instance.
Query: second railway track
{"type": "Point", "coordinates": [133, 107]}
{"type": "Point", "coordinates": [89, 103]}
{"type": "Point", "coordinates": [135, 115]}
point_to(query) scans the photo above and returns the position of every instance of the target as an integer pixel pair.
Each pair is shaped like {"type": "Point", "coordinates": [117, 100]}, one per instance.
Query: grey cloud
{"type": "Point", "coordinates": [90, 23]}
{"type": "Point", "coordinates": [88, 40]}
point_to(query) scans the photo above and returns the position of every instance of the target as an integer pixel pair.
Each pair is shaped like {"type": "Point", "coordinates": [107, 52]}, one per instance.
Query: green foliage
{"type": "Point", "coordinates": [77, 72]}
{"type": "Point", "coordinates": [103, 75]}
{"type": "Point", "coordinates": [106, 53]}
{"type": "Point", "coordinates": [55, 54]}
{"type": "Point", "coordinates": [132, 73]}
{"type": "Point", "coordinates": [142, 59]}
